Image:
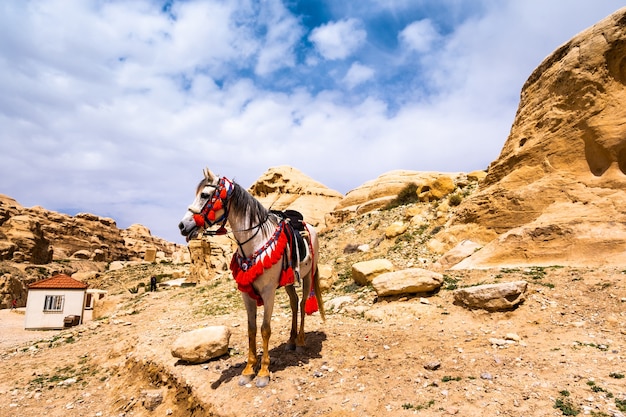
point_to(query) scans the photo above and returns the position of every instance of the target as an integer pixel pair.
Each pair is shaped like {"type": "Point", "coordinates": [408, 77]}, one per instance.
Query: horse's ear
{"type": "Point", "coordinates": [210, 176]}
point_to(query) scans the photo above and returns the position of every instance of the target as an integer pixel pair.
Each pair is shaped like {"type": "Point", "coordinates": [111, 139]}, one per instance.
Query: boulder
{"type": "Point", "coordinates": [407, 281]}
{"type": "Point", "coordinates": [201, 345]}
{"type": "Point", "coordinates": [437, 189]}
{"type": "Point", "coordinates": [395, 229]}
{"type": "Point", "coordinates": [364, 272]}
{"type": "Point", "coordinates": [492, 297]}
{"type": "Point", "coordinates": [457, 254]}
{"type": "Point", "coordinates": [326, 276]}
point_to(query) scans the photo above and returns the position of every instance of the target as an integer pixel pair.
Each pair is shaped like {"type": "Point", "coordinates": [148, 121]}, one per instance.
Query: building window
{"type": "Point", "coordinates": [54, 303]}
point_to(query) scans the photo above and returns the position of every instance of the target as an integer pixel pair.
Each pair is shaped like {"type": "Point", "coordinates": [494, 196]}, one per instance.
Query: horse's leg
{"type": "Point", "coordinates": [293, 302]}
{"type": "Point", "coordinates": [306, 289]}
{"type": "Point", "coordinates": [248, 373]}
{"type": "Point", "coordinates": [263, 377]}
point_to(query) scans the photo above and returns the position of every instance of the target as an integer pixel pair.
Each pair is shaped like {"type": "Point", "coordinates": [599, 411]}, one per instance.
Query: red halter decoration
{"type": "Point", "coordinates": [216, 210]}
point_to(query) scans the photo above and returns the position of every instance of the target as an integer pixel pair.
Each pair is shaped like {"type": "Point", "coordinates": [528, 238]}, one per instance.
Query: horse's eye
{"type": "Point", "coordinates": [204, 196]}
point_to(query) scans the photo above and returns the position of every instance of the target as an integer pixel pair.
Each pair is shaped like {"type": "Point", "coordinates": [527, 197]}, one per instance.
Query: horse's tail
{"type": "Point", "coordinates": [318, 293]}
{"type": "Point", "coordinates": [314, 302]}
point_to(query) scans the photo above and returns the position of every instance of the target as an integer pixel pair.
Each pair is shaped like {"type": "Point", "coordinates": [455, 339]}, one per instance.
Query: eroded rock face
{"type": "Point", "coordinates": [21, 236]}
{"type": "Point", "coordinates": [378, 193]}
{"type": "Point", "coordinates": [284, 187]}
{"type": "Point", "coordinates": [38, 236]}
{"type": "Point", "coordinates": [556, 192]}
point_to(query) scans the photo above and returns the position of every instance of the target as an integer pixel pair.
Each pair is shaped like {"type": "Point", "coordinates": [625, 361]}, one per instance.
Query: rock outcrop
{"type": "Point", "coordinates": [284, 187]}
{"type": "Point", "coordinates": [38, 236]}
{"type": "Point", "coordinates": [555, 195]}
{"type": "Point", "coordinates": [379, 192]}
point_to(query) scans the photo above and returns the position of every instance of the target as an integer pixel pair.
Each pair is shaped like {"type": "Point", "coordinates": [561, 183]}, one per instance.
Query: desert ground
{"type": "Point", "coordinates": [562, 352]}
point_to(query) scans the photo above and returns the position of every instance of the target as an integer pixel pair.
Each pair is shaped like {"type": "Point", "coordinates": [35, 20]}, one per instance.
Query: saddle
{"type": "Point", "coordinates": [296, 234]}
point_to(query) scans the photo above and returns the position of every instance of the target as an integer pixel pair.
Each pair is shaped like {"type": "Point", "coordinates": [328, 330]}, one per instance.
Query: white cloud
{"type": "Point", "coordinates": [283, 32]}
{"type": "Point", "coordinates": [419, 36]}
{"type": "Point", "coordinates": [338, 40]}
{"type": "Point", "coordinates": [358, 74]}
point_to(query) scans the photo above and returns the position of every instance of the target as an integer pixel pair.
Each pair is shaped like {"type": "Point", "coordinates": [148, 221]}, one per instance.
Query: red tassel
{"type": "Point", "coordinates": [286, 277]}
{"type": "Point", "coordinates": [211, 216]}
{"type": "Point", "coordinates": [311, 306]}
{"type": "Point", "coordinates": [217, 206]}
{"type": "Point", "coordinates": [199, 220]}
{"type": "Point", "coordinates": [223, 193]}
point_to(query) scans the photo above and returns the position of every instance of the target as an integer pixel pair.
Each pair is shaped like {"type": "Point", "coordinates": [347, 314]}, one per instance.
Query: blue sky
{"type": "Point", "coordinates": [115, 107]}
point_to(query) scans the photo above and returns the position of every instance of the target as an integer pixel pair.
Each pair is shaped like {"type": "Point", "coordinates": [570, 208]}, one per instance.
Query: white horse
{"type": "Point", "coordinates": [262, 262]}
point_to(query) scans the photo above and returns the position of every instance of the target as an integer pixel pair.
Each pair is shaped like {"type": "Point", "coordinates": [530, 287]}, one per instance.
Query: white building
{"type": "Point", "coordinates": [53, 300]}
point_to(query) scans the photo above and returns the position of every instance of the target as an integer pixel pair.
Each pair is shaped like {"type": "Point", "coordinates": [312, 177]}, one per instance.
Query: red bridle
{"type": "Point", "coordinates": [210, 213]}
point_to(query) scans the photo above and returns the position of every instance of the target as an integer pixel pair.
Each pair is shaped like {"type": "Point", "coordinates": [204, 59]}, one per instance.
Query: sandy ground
{"type": "Point", "coordinates": [563, 351]}
{"type": "Point", "coordinates": [13, 332]}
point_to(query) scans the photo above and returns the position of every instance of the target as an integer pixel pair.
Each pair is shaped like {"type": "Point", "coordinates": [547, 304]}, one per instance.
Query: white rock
{"type": "Point", "coordinates": [202, 345]}
{"type": "Point", "coordinates": [407, 281]}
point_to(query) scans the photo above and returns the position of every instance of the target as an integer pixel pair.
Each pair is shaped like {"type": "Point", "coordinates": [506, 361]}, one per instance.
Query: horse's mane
{"type": "Point", "coordinates": [249, 207]}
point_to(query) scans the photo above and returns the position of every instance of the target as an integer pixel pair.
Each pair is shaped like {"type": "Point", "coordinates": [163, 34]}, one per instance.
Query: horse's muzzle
{"type": "Point", "coordinates": [188, 229]}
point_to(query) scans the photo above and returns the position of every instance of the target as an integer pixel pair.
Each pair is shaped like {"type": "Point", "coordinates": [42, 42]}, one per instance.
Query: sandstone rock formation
{"type": "Point", "coordinates": [21, 236]}
{"type": "Point", "coordinates": [38, 236]}
{"type": "Point", "coordinates": [555, 195]}
{"type": "Point", "coordinates": [284, 187]}
{"type": "Point", "coordinates": [379, 192]}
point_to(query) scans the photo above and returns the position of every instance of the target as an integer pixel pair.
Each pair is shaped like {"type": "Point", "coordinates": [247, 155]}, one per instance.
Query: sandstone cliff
{"type": "Point", "coordinates": [38, 236]}
{"type": "Point", "coordinates": [555, 195]}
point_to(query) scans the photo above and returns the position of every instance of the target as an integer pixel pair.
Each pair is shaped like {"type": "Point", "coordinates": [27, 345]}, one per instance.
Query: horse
{"type": "Point", "coordinates": [268, 256]}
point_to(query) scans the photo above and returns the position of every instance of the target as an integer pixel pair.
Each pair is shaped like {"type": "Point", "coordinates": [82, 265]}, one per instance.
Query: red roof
{"type": "Point", "coordinates": [59, 282]}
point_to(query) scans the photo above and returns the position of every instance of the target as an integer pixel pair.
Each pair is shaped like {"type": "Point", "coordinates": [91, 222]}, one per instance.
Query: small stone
{"type": "Point", "coordinates": [512, 336]}
{"type": "Point", "coordinates": [432, 366]}
{"type": "Point", "coordinates": [497, 342]}
{"type": "Point", "coordinates": [372, 355]}
{"type": "Point", "coordinates": [486, 375]}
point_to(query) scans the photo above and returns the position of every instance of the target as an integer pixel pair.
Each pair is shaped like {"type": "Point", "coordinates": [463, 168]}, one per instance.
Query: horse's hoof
{"type": "Point", "coordinates": [245, 379]}
{"type": "Point", "coordinates": [262, 381]}
{"type": "Point", "coordinates": [290, 346]}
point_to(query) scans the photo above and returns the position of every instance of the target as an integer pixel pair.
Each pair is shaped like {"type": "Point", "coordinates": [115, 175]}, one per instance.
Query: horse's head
{"type": "Point", "coordinates": [209, 206]}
